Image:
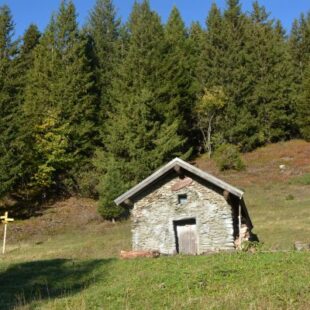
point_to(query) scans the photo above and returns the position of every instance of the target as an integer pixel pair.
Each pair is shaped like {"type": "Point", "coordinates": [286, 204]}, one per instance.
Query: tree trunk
{"type": "Point", "coordinates": [209, 131]}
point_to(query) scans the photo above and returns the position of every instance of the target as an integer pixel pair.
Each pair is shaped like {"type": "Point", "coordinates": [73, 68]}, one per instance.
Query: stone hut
{"type": "Point", "coordinates": [182, 209]}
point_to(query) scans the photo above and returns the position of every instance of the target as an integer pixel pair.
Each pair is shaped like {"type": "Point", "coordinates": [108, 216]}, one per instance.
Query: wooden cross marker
{"type": "Point", "coordinates": [5, 220]}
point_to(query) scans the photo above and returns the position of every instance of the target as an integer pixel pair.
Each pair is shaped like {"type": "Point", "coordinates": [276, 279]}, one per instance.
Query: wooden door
{"type": "Point", "coordinates": [187, 238]}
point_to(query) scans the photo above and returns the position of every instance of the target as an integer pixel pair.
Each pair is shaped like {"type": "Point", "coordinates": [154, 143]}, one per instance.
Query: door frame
{"type": "Point", "coordinates": [184, 221]}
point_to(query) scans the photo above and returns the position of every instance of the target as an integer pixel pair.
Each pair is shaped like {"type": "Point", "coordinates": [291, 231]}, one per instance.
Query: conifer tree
{"type": "Point", "coordinates": [209, 55]}
{"type": "Point", "coordinates": [248, 57]}
{"type": "Point", "coordinates": [105, 30]}
{"type": "Point", "coordinates": [239, 126]}
{"type": "Point", "coordinates": [196, 44]}
{"type": "Point", "coordinates": [299, 43]}
{"type": "Point", "coordinates": [179, 97]}
{"type": "Point", "coordinates": [61, 80]}
{"type": "Point", "coordinates": [213, 52]}
{"type": "Point", "coordinates": [9, 104]}
{"type": "Point", "coordinates": [303, 106]}
{"type": "Point", "coordinates": [21, 144]}
{"type": "Point", "coordinates": [8, 53]}
{"type": "Point", "coordinates": [25, 59]}
{"type": "Point", "coordinates": [223, 61]}
{"type": "Point", "coordinates": [31, 38]}
{"type": "Point", "coordinates": [270, 69]}
{"type": "Point", "coordinates": [140, 135]}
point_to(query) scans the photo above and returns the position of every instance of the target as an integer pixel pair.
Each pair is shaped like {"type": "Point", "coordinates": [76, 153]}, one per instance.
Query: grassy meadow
{"type": "Point", "coordinates": [67, 257]}
{"type": "Point", "coordinates": [221, 281]}
{"type": "Point", "coordinates": [281, 214]}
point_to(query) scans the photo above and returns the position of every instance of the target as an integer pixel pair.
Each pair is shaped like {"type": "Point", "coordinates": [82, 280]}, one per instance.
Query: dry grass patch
{"type": "Point", "coordinates": [263, 164]}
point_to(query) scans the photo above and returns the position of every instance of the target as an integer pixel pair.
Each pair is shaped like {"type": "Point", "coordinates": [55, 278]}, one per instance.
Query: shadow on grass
{"type": "Point", "coordinates": [23, 283]}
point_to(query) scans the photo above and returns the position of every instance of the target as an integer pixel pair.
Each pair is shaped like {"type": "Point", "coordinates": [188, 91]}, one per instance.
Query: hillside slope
{"type": "Point", "coordinates": [64, 257]}
{"type": "Point", "coordinates": [263, 164]}
{"type": "Point", "coordinates": [277, 191]}
{"type": "Point", "coordinates": [278, 200]}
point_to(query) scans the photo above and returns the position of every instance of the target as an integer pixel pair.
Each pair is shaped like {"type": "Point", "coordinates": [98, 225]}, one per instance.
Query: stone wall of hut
{"type": "Point", "coordinates": [155, 212]}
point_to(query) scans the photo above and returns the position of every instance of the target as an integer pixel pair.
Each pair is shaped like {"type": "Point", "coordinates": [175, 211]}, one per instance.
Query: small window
{"type": "Point", "coordinates": [182, 199]}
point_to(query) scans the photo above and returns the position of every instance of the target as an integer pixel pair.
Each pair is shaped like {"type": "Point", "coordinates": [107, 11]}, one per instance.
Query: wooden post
{"type": "Point", "coordinates": [5, 220]}
{"type": "Point", "coordinates": [239, 218]}
{"type": "Point", "coordinates": [4, 238]}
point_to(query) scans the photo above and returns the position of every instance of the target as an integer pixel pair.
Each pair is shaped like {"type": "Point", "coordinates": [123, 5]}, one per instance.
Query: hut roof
{"type": "Point", "coordinates": [173, 164]}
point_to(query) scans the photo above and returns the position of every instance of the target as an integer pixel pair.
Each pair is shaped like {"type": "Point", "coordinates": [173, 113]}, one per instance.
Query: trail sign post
{"type": "Point", "coordinates": [5, 220]}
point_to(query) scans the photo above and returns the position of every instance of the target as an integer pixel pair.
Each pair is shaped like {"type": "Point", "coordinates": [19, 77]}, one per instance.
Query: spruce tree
{"type": "Point", "coordinates": [8, 53]}
{"type": "Point", "coordinates": [213, 51]}
{"type": "Point", "coordinates": [303, 106]}
{"type": "Point", "coordinates": [196, 45]}
{"type": "Point", "coordinates": [25, 60]}
{"type": "Point", "coordinates": [238, 126]}
{"type": "Point", "coordinates": [299, 43]}
{"type": "Point", "coordinates": [196, 42]}
{"type": "Point", "coordinates": [140, 135]}
{"type": "Point", "coordinates": [224, 65]}
{"type": "Point", "coordinates": [105, 30]}
{"type": "Point", "coordinates": [178, 95]}
{"type": "Point", "coordinates": [22, 144]}
{"type": "Point", "coordinates": [61, 81]}
{"type": "Point", "coordinates": [247, 56]}
{"type": "Point", "coordinates": [270, 69]}
{"type": "Point", "coordinates": [9, 103]}
{"type": "Point", "coordinates": [208, 67]}
{"type": "Point", "coordinates": [31, 38]}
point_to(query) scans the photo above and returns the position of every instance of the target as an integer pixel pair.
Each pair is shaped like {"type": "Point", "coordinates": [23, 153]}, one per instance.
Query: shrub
{"type": "Point", "coordinates": [289, 197]}
{"type": "Point", "coordinates": [110, 187]}
{"type": "Point", "coordinates": [87, 182]}
{"type": "Point", "coordinates": [227, 157]}
{"type": "Point", "coordinates": [251, 246]}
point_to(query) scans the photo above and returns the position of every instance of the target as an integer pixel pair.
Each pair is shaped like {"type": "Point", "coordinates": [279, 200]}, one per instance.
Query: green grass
{"type": "Point", "coordinates": [94, 241]}
{"type": "Point", "coordinates": [301, 180]}
{"type": "Point", "coordinates": [280, 221]}
{"type": "Point", "coordinates": [220, 281]}
{"type": "Point", "coordinates": [79, 269]}
{"type": "Point", "coordinates": [76, 266]}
